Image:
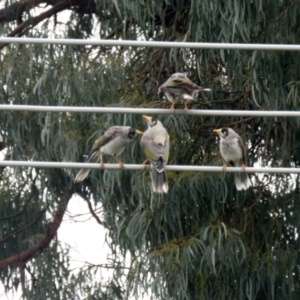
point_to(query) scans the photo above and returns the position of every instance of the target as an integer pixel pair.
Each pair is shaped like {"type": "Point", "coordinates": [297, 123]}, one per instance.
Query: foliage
{"type": "Point", "coordinates": [204, 239]}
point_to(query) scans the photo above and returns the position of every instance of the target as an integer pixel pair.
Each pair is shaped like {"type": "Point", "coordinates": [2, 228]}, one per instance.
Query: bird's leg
{"type": "Point", "coordinates": [243, 167]}
{"type": "Point", "coordinates": [101, 161]}
{"type": "Point", "coordinates": [185, 106]}
{"type": "Point", "coordinates": [145, 163]}
{"type": "Point", "coordinates": [117, 159]}
{"type": "Point", "coordinates": [173, 106]}
{"type": "Point", "coordinates": [225, 166]}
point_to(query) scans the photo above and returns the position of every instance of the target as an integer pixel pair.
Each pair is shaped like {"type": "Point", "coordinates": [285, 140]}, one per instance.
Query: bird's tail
{"type": "Point", "coordinates": [83, 173]}
{"type": "Point", "coordinates": [242, 181]}
{"type": "Point", "coordinates": [159, 181]}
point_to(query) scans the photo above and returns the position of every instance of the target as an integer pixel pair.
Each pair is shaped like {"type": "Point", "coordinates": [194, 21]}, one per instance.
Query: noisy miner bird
{"type": "Point", "coordinates": [234, 153]}
{"type": "Point", "coordinates": [155, 143]}
{"type": "Point", "coordinates": [112, 142]}
{"type": "Point", "coordinates": [178, 87]}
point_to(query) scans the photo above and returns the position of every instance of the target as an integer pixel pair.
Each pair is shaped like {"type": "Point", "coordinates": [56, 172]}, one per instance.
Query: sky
{"type": "Point", "coordinates": [78, 230]}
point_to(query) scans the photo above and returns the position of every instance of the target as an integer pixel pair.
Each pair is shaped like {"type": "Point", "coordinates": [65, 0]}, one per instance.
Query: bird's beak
{"type": "Point", "coordinates": [217, 131]}
{"type": "Point", "coordinates": [139, 132]}
{"type": "Point", "coordinates": [148, 119]}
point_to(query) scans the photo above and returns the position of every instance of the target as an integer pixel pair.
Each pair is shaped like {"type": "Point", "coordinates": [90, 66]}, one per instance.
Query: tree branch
{"type": "Point", "coordinates": [35, 20]}
{"type": "Point", "coordinates": [45, 241]}
{"type": "Point", "coordinates": [90, 207]}
{"type": "Point", "coordinates": [14, 12]}
{"type": "Point", "coordinates": [19, 30]}
{"type": "Point", "coordinates": [93, 212]}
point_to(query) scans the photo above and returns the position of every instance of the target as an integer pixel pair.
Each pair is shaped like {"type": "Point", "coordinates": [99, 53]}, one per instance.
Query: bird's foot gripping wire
{"type": "Point", "coordinates": [145, 163]}
{"type": "Point", "coordinates": [185, 106]}
{"type": "Point", "coordinates": [173, 106]}
{"type": "Point", "coordinates": [118, 160]}
{"type": "Point", "coordinates": [225, 166]}
{"type": "Point", "coordinates": [101, 161]}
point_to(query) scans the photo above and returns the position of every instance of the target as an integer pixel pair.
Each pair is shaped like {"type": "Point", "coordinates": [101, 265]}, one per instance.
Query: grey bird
{"type": "Point", "coordinates": [234, 153]}
{"type": "Point", "coordinates": [155, 143]}
{"type": "Point", "coordinates": [180, 88]}
{"type": "Point", "coordinates": [112, 142]}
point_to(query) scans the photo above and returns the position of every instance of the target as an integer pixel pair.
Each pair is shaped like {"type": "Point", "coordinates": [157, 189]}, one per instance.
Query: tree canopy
{"type": "Point", "coordinates": [202, 240]}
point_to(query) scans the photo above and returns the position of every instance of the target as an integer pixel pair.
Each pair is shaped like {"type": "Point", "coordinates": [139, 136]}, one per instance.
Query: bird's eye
{"type": "Point", "coordinates": [224, 131]}
{"type": "Point", "coordinates": [154, 121]}
{"type": "Point", "coordinates": [131, 133]}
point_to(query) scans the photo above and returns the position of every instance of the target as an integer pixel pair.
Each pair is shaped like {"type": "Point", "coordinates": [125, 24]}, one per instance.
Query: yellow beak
{"type": "Point", "coordinates": [148, 119]}
{"type": "Point", "coordinates": [139, 132]}
{"type": "Point", "coordinates": [217, 131]}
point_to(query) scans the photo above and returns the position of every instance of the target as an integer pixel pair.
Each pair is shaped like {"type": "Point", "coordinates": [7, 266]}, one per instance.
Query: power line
{"type": "Point", "coordinates": [158, 44]}
{"type": "Point", "coordinates": [71, 165]}
{"type": "Point", "coordinates": [155, 111]}
{"type": "Point", "coordinates": [148, 110]}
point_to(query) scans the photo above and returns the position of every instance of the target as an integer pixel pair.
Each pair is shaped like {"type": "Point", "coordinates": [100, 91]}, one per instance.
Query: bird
{"type": "Point", "coordinates": [178, 87]}
{"type": "Point", "coordinates": [233, 151]}
{"type": "Point", "coordinates": [155, 143]}
{"type": "Point", "coordinates": [112, 142]}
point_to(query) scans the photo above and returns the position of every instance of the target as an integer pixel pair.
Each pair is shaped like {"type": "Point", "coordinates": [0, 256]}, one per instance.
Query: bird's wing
{"type": "Point", "coordinates": [108, 136]}
{"type": "Point", "coordinates": [242, 146]}
{"type": "Point", "coordinates": [177, 82]}
{"type": "Point", "coordinates": [162, 142]}
{"type": "Point", "coordinates": [167, 148]}
{"type": "Point", "coordinates": [186, 87]}
{"type": "Point", "coordinates": [146, 145]}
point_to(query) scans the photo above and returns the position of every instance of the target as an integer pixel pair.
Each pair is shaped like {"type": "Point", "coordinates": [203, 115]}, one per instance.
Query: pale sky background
{"type": "Point", "coordinates": [82, 232]}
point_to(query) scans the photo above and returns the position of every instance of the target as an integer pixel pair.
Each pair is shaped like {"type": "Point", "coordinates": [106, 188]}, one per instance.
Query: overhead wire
{"type": "Point", "coordinates": [126, 110]}
{"type": "Point", "coordinates": [156, 111]}
{"type": "Point", "coordinates": [71, 165]}
{"type": "Point", "coordinates": [158, 44]}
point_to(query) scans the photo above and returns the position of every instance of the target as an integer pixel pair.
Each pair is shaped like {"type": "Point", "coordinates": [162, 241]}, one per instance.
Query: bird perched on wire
{"type": "Point", "coordinates": [155, 143]}
{"type": "Point", "coordinates": [112, 142]}
{"type": "Point", "coordinates": [180, 88]}
{"type": "Point", "coordinates": [234, 153]}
